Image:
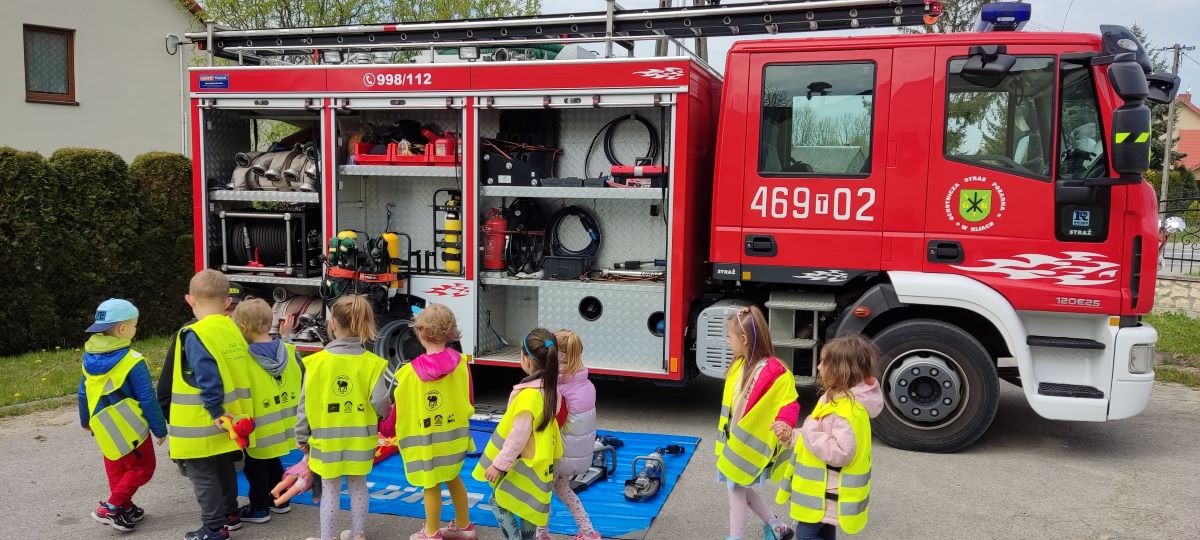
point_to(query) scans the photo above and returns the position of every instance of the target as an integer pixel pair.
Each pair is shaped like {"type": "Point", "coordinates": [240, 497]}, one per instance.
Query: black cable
{"type": "Point", "coordinates": [555, 247]}
{"type": "Point", "coordinates": [524, 253]}
{"type": "Point", "coordinates": [607, 131]}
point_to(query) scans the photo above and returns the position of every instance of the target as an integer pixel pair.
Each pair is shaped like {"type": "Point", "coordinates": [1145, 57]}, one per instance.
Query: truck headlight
{"type": "Point", "coordinates": [1141, 359]}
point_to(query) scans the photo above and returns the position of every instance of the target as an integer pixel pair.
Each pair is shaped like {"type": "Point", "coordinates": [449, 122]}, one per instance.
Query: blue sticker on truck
{"type": "Point", "coordinates": [214, 81]}
{"type": "Point", "coordinates": [1081, 218]}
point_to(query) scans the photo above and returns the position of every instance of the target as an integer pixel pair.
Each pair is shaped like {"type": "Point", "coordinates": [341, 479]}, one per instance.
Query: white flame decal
{"type": "Point", "coordinates": [1077, 268]}
{"type": "Point", "coordinates": [669, 74]}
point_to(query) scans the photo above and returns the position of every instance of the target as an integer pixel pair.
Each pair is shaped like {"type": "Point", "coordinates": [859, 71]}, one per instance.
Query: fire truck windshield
{"type": "Point", "coordinates": [1010, 126]}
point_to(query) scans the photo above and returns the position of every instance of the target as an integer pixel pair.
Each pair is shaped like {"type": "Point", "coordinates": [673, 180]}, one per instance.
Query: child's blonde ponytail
{"type": "Point", "coordinates": [354, 314]}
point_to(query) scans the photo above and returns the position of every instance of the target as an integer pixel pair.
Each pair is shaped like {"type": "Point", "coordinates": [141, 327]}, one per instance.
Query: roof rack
{"type": "Point", "coordinates": [614, 26]}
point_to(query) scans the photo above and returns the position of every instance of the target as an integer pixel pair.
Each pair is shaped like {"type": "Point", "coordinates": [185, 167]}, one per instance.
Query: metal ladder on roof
{"type": "Point", "coordinates": [614, 26]}
{"type": "Point", "coordinates": [790, 333]}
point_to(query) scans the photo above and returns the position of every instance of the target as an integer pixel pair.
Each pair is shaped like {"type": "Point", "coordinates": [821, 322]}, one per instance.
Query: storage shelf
{"type": "Point", "coordinates": [275, 280]}
{"type": "Point", "coordinates": [640, 286]}
{"type": "Point", "coordinates": [507, 354]}
{"type": "Point", "coordinates": [264, 196]}
{"type": "Point", "coordinates": [573, 192]}
{"type": "Point", "coordinates": [408, 171]}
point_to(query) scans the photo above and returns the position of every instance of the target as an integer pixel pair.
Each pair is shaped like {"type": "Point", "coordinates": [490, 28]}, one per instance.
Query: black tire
{"type": "Point", "coordinates": [976, 371]}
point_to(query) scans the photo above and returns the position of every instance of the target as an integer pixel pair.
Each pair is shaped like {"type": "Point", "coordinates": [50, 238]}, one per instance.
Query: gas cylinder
{"type": "Point", "coordinates": [493, 241]}
{"type": "Point", "coordinates": [453, 255]}
{"type": "Point", "coordinates": [393, 254]}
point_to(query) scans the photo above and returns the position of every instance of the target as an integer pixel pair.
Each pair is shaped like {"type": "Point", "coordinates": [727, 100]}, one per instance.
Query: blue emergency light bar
{"type": "Point", "coordinates": [1003, 17]}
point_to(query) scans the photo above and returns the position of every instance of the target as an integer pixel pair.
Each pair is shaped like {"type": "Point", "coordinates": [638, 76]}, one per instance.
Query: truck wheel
{"type": "Point", "coordinates": [940, 387]}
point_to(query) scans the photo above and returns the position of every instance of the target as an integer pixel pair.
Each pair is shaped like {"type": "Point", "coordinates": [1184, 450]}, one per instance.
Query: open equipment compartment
{"type": "Point", "coordinates": [620, 319]}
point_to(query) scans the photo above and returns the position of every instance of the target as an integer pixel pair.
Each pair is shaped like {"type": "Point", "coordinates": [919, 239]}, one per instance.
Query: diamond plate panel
{"type": "Point", "coordinates": [225, 134]}
{"type": "Point", "coordinates": [620, 338]}
{"type": "Point", "coordinates": [492, 305]}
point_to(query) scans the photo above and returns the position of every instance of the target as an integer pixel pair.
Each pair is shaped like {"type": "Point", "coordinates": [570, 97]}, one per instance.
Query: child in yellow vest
{"type": "Point", "coordinates": [274, 388]}
{"type": "Point", "coordinates": [433, 411]}
{"type": "Point", "coordinates": [758, 410]}
{"type": "Point", "coordinates": [117, 406]}
{"type": "Point", "coordinates": [831, 478]}
{"type": "Point", "coordinates": [519, 459]}
{"type": "Point", "coordinates": [343, 396]}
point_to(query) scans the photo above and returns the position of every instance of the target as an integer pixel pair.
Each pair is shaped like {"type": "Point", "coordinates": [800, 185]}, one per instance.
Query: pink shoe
{"type": "Point", "coordinates": [542, 534]}
{"type": "Point", "coordinates": [422, 536]}
{"type": "Point", "coordinates": [588, 536]}
{"type": "Point", "coordinates": [452, 532]}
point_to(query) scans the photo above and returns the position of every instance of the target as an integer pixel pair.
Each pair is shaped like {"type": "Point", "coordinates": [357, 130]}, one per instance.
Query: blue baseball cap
{"type": "Point", "coordinates": [111, 313]}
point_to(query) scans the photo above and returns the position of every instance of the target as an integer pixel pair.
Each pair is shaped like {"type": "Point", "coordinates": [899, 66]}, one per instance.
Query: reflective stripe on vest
{"type": "Point", "coordinates": [337, 403]}
{"type": "Point", "coordinates": [748, 448]}
{"type": "Point", "coordinates": [275, 401]}
{"type": "Point", "coordinates": [119, 427]}
{"type": "Point", "coordinates": [806, 490]}
{"type": "Point", "coordinates": [525, 489]}
{"type": "Point", "coordinates": [432, 424]}
{"type": "Point", "coordinates": [191, 428]}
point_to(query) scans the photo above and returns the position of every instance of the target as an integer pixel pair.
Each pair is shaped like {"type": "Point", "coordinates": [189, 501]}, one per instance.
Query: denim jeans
{"type": "Point", "coordinates": [511, 526]}
{"type": "Point", "coordinates": [815, 531]}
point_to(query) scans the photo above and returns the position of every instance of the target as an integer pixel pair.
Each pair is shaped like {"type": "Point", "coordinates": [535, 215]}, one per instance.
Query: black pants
{"type": "Point", "coordinates": [214, 479]}
{"type": "Point", "coordinates": [815, 531]}
{"type": "Point", "coordinates": [262, 475]}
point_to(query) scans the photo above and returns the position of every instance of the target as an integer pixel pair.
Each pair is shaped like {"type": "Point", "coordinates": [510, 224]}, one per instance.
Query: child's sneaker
{"type": "Point", "coordinates": [347, 535]}
{"type": "Point", "coordinates": [590, 535]}
{"type": "Point", "coordinates": [452, 532]}
{"type": "Point", "coordinates": [422, 536]}
{"type": "Point", "coordinates": [112, 516]}
{"type": "Point", "coordinates": [281, 509]}
{"type": "Point", "coordinates": [205, 533]}
{"type": "Point", "coordinates": [777, 530]}
{"type": "Point", "coordinates": [233, 522]}
{"type": "Point", "coordinates": [542, 534]}
{"type": "Point", "coordinates": [249, 515]}
{"type": "Point", "coordinates": [135, 512]}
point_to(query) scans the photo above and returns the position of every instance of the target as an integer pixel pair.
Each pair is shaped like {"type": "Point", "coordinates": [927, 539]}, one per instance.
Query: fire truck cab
{"type": "Point", "coordinates": [972, 202]}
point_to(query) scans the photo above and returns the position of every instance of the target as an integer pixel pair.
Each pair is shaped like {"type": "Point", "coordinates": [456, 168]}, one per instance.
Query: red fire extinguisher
{"type": "Point", "coordinates": [493, 241]}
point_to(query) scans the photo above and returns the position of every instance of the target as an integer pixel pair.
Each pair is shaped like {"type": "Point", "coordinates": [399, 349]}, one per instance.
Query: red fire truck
{"type": "Point", "coordinates": [972, 202]}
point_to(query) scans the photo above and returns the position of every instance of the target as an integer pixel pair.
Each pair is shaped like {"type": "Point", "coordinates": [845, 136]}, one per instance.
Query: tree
{"type": "Point", "coordinates": [297, 13]}
{"type": "Point", "coordinates": [1158, 111]}
{"type": "Point", "coordinates": [957, 16]}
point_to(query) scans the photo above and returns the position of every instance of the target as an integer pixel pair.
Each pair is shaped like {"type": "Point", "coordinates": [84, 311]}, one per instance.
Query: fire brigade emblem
{"type": "Point", "coordinates": [974, 204]}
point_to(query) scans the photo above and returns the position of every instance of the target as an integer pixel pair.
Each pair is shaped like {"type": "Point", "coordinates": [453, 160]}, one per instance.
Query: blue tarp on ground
{"type": "Point", "coordinates": [611, 514]}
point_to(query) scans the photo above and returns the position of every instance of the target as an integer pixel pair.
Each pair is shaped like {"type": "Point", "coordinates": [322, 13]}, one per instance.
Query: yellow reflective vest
{"type": "Point", "coordinates": [275, 401]}
{"type": "Point", "coordinates": [120, 427]}
{"type": "Point", "coordinates": [806, 488]}
{"type": "Point", "coordinates": [525, 489]}
{"type": "Point", "coordinates": [745, 449]}
{"type": "Point", "coordinates": [433, 424]}
{"type": "Point", "coordinates": [337, 403]}
{"type": "Point", "coordinates": [192, 433]}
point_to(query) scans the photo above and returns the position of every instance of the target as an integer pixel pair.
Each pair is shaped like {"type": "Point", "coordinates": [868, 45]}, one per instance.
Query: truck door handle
{"type": "Point", "coordinates": [761, 245]}
{"type": "Point", "coordinates": [945, 251]}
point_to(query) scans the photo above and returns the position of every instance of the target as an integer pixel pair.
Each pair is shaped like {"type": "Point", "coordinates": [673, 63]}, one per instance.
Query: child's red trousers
{"type": "Point", "coordinates": [129, 473]}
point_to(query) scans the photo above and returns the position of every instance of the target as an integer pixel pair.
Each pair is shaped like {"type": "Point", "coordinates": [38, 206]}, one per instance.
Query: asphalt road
{"type": "Point", "coordinates": [1026, 478]}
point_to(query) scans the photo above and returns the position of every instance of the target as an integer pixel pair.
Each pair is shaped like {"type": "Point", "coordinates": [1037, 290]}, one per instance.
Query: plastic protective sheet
{"type": "Point", "coordinates": [611, 514]}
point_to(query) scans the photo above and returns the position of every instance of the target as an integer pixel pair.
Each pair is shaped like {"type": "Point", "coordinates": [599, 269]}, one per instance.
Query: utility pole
{"type": "Point", "coordinates": [1169, 142]}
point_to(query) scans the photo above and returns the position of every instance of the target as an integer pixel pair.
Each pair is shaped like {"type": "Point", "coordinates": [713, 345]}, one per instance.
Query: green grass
{"type": "Point", "coordinates": [1178, 348]}
{"type": "Point", "coordinates": [34, 379]}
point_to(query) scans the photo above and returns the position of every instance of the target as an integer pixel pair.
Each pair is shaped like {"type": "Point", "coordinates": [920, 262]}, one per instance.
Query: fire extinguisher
{"type": "Point", "coordinates": [493, 241]}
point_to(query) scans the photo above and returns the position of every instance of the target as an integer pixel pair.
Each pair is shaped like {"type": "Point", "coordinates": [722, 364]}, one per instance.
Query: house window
{"type": "Point", "coordinates": [49, 65]}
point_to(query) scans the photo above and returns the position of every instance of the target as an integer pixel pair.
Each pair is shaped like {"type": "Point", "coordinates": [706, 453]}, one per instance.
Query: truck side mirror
{"type": "Point", "coordinates": [1130, 122]}
{"type": "Point", "coordinates": [1163, 87]}
{"type": "Point", "coordinates": [987, 65]}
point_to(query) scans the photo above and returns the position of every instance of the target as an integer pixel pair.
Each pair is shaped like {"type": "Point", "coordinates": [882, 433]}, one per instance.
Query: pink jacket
{"type": "Point", "coordinates": [579, 431]}
{"type": "Point", "coordinates": [520, 431]}
{"type": "Point", "coordinates": [774, 369]}
{"type": "Point", "coordinates": [431, 367]}
{"type": "Point", "coordinates": [831, 439]}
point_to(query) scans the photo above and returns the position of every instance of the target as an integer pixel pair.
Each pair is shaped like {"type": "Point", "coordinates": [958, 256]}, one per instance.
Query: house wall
{"type": "Point", "coordinates": [1178, 294]}
{"type": "Point", "coordinates": [126, 84]}
{"type": "Point", "coordinates": [1189, 115]}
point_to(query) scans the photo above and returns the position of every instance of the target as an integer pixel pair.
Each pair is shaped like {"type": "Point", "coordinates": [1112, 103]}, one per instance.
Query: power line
{"type": "Point", "coordinates": [1068, 12]}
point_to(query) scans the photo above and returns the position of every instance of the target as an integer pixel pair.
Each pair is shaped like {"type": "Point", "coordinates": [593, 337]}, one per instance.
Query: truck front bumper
{"type": "Point", "coordinates": [1131, 389]}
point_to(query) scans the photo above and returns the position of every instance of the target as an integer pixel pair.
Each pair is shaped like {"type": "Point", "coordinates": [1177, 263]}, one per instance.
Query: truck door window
{"type": "Point", "coordinates": [1009, 127]}
{"type": "Point", "coordinates": [1081, 155]}
{"type": "Point", "coordinates": [816, 120]}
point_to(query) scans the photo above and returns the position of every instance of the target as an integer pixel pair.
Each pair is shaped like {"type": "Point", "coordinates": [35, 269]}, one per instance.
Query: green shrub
{"type": "Point", "coordinates": [162, 183]}
{"type": "Point", "coordinates": [28, 319]}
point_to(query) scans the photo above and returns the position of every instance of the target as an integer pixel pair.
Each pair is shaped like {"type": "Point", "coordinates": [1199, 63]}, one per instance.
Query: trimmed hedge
{"type": "Point", "coordinates": [81, 227]}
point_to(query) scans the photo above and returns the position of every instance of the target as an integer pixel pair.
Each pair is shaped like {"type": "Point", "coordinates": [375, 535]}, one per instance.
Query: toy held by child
{"type": "Point", "coordinates": [296, 480]}
{"type": "Point", "coordinates": [117, 405]}
{"type": "Point", "coordinates": [758, 411]}
{"type": "Point", "coordinates": [835, 442]}
{"type": "Point", "coordinates": [433, 411]}
{"type": "Point", "coordinates": [519, 459]}
{"type": "Point", "coordinates": [578, 431]}
{"type": "Point", "coordinates": [345, 394]}
{"type": "Point", "coordinates": [238, 427]}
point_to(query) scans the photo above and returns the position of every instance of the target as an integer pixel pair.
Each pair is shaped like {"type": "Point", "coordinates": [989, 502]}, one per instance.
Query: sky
{"type": "Point", "coordinates": [1167, 22]}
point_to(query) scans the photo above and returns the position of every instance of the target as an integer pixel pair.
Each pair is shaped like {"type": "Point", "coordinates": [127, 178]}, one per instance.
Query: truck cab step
{"type": "Point", "coordinates": [797, 301]}
{"type": "Point", "coordinates": [1064, 343]}
{"type": "Point", "coordinates": [1070, 390]}
{"type": "Point", "coordinates": [793, 343]}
